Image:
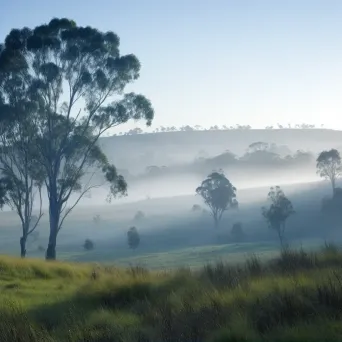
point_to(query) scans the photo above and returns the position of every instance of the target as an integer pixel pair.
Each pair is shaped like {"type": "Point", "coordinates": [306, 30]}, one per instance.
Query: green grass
{"type": "Point", "coordinates": [296, 296]}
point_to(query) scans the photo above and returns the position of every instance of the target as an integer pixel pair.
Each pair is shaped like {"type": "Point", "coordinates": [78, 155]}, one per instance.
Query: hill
{"type": "Point", "coordinates": [295, 297]}
{"type": "Point", "coordinates": [173, 147]}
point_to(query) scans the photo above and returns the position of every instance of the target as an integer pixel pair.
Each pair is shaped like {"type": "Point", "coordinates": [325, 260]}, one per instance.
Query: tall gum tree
{"type": "Point", "coordinates": [77, 77]}
{"type": "Point", "coordinates": [20, 174]}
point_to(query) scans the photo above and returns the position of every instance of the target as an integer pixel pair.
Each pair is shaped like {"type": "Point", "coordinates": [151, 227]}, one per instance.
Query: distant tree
{"type": "Point", "coordinates": [77, 80]}
{"type": "Point", "coordinates": [237, 232]}
{"type": "Point", "coordinates": [218, 194]}
{"type": "Point", "coordinates": [278, 212]}
{"type": "Point", "coordinates": [258, 146]}
{"type": "Point", "coordinates": [135, 131]}
{"type": "Point", "coordinates": [97, 219]}
{"type": "Point", "coordinates": [139, 215]}
{"type": "Point", "coordinates": [196, 208]}
{"type": "Point", "coordinates": [223, 159]}
{"type": "Point", "coordinates": [133, 238]}
{"type": "Point", "coordinates": [329, 166]}
{"type": "Point", "coordinates": [88, 245]}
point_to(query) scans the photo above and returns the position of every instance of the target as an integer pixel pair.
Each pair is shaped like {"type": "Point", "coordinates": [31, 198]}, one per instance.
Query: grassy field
{"type": "Point", "coordinates": [296, 296]}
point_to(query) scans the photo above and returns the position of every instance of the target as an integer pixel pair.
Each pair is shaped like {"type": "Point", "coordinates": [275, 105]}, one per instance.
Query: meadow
{"type": "Point", "coordinates": [172, 235]}
{"type": "Point", "coordinates": [295, 296]}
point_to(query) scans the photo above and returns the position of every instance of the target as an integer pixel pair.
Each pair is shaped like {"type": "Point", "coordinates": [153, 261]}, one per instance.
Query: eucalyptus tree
{"type": "Point", "coordinates": [218, 194]}
{"type": "Point", "coordinates": [20, 175]}
{"type": "Point", "coordinates": [329, 166]}
{"type": "Point", "coordinates": [77, 77]}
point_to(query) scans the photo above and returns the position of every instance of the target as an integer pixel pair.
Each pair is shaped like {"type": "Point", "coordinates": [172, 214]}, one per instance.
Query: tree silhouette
{"type": "Point", "coordinates": [21, 174]}
{"type": "Point", "coordinates": [329, 166]}
{"type": "Point", "coordinates": [278, 212]}
{"type": "Point", "coordinates": [77, 80]}
{"type": "Point", "coordinates": [88, 245]}
{"type": "Point", "coordinates": [218, 194]}
{"type": "Point", "coordinates": [237, 232]}
{"type": "Point", "coordinates": [133, 238]}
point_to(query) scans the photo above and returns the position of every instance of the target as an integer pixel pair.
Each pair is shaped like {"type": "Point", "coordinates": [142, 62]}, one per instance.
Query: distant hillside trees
{"type": "Point", "coordinates": [278, 212]}
{"type": "Point", "coordinates": [218, 194]}
{"type": "Point", "coordinates": [329, 166]}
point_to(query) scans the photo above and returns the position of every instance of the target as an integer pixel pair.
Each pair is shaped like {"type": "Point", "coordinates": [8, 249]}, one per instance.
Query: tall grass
{"type": "Point", "coordinates": [295, 297]}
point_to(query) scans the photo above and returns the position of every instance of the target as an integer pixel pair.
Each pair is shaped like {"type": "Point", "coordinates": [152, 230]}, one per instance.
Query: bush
{"type": "Point", "coordinates": [237, 232]}
{"type": "Point", "coordinates": [196, 208]}
{"type": "Point", "coordinates": [139, 215]}
{"type": "Point", "coordinates": [88, 245]}
{"type": "Point", "coordinates": [133, 238]}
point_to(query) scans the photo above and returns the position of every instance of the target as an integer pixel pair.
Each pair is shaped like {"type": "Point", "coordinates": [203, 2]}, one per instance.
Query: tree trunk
{"type": "Point", "coordinates": [333, 185]}
{"type": "Point", "coordinates": [23, 246]}
{"type": "Point", "coordinates": [280, 238]}
{"type": "Point", "coordinates": [51, 249]}
{"type": "Point", "coordinates": [216, 222]}
{"type": "Point", "coordinates": [54, 213]}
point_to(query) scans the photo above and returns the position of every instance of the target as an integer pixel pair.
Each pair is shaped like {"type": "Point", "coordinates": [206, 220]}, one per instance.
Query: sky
{"type": "Point", "coordinates": [215, 62]}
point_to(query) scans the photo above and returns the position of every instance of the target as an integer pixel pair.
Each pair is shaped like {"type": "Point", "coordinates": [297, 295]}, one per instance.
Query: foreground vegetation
{"type": "Point", "coordinates": [295, 297]}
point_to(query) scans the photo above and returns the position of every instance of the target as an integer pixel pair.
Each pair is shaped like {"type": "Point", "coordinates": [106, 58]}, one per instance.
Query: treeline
{"type": "Point", "coordinates": [257, 155]}
{"type": "Point", "coordinates": [188, 128]}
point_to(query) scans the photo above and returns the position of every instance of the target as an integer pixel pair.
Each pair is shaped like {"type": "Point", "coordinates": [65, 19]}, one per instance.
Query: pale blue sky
{"type": "Point", "coordinates": [254, 62]}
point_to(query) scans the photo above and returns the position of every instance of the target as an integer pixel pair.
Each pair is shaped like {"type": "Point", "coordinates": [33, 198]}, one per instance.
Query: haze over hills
{"type": "Point", "coordinates": [173, 147]}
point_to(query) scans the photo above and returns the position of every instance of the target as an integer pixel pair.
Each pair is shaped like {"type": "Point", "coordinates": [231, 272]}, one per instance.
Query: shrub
{"type": "Point", "coordinates": [196, 208]}
{"type": "Point", "coordinates": [139, 215]}
{"type": "Point", "coordinates": [133, 238]}
{"type": "Point", "coordinates": [237, 232]}
{"type": "Point", "coordinates": [88, 245]}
